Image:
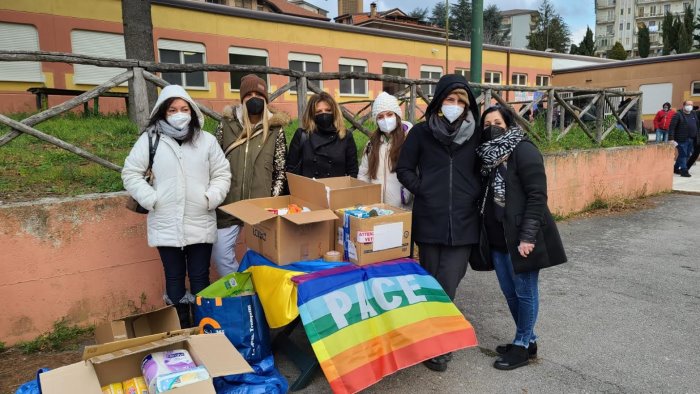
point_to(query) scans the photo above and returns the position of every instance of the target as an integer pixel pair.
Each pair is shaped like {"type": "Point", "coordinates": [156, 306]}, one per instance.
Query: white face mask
{"type": "Point", "coordinates": [452, 112]}
{"type": "Point", "coordinates": [387, 125]}
{"type": "Point", "coordinates": [688, 108]}
{"type": "Point", "coordinates": [179, 120]}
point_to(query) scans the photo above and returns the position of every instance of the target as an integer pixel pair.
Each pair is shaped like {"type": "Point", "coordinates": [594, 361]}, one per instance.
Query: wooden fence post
{"type": "Point", "coordinates": [302, 89]}
{"type": "Point", "coordinates": [139, 111]}
{"type": "Point", "coordinates": [640, 120]}
{"type": "Point", "coordinates": [600, 118]}
{"type": "Point", "coordinates": [488, 96]}
{"type": "Point", "coordinates": [412, 104]}
{"type": "Point", "coordinates": [550, 112]}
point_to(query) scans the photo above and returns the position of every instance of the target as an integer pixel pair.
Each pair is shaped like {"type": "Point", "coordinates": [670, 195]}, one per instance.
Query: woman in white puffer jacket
{"type": "Point", "coordinates": [382, 151]}
{"type": "Point", "coordinates": [191, 178]}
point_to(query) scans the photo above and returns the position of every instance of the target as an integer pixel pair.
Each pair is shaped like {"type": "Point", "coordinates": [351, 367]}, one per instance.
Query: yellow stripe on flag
{"type": "Point", "coordinates": [277, 293]}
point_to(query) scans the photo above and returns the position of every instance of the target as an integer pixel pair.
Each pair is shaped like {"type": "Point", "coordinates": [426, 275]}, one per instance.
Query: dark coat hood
{"type": "Point", "coordinates": [447, 84]}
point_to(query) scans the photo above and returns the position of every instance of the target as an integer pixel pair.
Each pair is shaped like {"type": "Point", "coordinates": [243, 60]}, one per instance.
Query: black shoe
{"type": "Point", "coordinates": [676, 171]}
{"type": "Point", "coordinates": [439, 363]}
{"type": "Point", "coordinates": [531, 349]}
{"type": "Point", "coordinates": [685, 174]}
{"type": "Point", "coordinates": [183, 314]}
{"type": "Point", "coordinates": [516, 357]}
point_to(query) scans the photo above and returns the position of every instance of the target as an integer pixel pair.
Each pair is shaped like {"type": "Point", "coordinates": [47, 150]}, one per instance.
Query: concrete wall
{"type": "Point", "coordinates": [87, 259]}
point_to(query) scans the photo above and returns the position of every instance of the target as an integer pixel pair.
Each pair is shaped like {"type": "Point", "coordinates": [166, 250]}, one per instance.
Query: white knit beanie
{"type": "Point", "coordinates": [385, 102]}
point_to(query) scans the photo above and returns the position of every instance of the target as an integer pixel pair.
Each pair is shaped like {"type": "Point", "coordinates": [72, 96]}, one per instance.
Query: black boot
{"type": "Point", "coordinates": [515, 357]}
{"type": "Point", "coordinates": [531, 349]}
{"type": "Point", "coordinates": [183, 313]}
{"type": "Point", "coordinates": [439, 363]}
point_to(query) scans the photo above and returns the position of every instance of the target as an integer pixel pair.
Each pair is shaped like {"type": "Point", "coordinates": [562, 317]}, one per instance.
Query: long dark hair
{"type": "Point", "coordinates": [397, 138]}
{"type": "Point", "coordinates": [162, 114]}
{"type": "Point", "coordinates": [507, 116]}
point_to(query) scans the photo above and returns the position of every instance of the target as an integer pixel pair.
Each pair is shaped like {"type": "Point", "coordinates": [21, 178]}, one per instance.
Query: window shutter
{"type": "Point", "coordinates": [19, 37]}
{"type": "Point", "coordinates": [92, 43]}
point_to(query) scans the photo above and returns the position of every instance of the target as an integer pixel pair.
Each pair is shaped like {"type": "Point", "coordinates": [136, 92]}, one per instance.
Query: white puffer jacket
{"type": "Point", "coordinates": [190, 181]}
{"type": "Point", "coordinates": [391, 187]}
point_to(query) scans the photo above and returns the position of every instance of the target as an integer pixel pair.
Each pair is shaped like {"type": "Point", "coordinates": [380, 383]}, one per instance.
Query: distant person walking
{"type": "Point", "coordinates": [662, 121]}
{"type": "Point", "coordinates": [683, 130]}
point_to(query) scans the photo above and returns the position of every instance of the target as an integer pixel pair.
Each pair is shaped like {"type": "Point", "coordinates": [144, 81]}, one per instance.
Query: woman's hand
{"type": "Point", "coordinates": [525, 248]}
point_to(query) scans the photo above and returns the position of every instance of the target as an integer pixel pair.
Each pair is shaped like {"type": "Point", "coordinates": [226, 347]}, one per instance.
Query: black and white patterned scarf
{"type": "Point", "coordinates": [494, 153]}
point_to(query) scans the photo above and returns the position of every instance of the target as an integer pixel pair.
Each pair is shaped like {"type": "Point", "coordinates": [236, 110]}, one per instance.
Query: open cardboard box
{"type": "Point", "coordinates": [154, 322]}
{"type": "Point", "coordinates": [118, 361]}
{"type": "Point", "coordinates": [292, 237]}
{"type": "Point", "coordinates": [337, 193]}
{"type": "Point", "coordinates": [379, 238]}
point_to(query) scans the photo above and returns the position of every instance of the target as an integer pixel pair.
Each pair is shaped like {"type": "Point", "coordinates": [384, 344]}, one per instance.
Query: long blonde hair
{"type": "Point", "coordinates": [248, 126]}
{"type": "Point", "coordinates": [309, 124]}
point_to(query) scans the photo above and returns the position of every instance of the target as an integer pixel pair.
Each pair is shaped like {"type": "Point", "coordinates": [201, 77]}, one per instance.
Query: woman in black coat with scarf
{"type": "Point", "coordinates": [322, 147]}
{"type": "Point", "coordinates": [438, 165]}
{"type": "Point", "coordinates": [519, 236]}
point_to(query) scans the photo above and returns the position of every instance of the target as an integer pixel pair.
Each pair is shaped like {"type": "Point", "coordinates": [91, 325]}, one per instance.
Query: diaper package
{"type": "Point", "coordinates": [179, 379]}
{"type": "Point", "coordinates": [114, 388]}
{"type": "Point", "coordinates": [164, 363]}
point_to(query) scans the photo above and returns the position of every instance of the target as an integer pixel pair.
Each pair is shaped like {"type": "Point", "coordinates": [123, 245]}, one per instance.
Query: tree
{"type": "Point", "coordinates": [696, 37]}
{"type": "Point", "coordinates": [689, 27]}
{"type": "Point", "coordinates": [617, 52]}
{"type": "Point", "coordinates": [461, 20]}
{"type": "Point", "coordinates": [138, 42]}
{"type": "Point", "coordinates": [493, 24]}
{"type": "Point", "coordinates": [685, 39]}
{"type": "Point", "coordinates": [667, 31]}
{"type": "Point", "coordinates": [437, 16]}
{"type": "Point", "coordinates": [551, 32]}
{"type": "Point", "coordinates": [419, 13]}
{"type": "Point", "coordinates": [643, 41]}
{"type": "Point", "coordinates": [587, 45]}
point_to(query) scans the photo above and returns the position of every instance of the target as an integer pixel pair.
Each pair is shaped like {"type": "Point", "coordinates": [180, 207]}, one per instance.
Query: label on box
{"type": "Point", "coordinates": [365, 237]}
{"type": "Point", "coordinates": [387, 236]}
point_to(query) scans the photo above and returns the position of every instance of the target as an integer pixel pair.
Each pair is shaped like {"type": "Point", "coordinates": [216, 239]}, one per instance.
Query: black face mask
{"type": "Point", "coordinates": [255, 105]}
{"type": "Point", "coordinates": [492, 132]}
{"type": "Point", "coordinates": [324, 122]}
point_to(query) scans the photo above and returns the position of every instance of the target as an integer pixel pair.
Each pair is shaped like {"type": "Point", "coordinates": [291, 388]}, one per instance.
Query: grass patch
{"type": "Point", "coordinates": [576, 138]}
{"type": "Point", "coordinates": [2, 347]}
{"type": "Point", "coordinates": [62, 337]}
{"type": "Point", "coordinates": [597, 204]}
{"type": "Point", "coordinates": [31, 168]}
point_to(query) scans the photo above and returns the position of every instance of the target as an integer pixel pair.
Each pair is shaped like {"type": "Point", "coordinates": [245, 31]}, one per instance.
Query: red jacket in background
{"type": "Point", "coordinates": [662, 120]}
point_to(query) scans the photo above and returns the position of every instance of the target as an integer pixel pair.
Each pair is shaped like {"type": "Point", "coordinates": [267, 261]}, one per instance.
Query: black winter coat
{"type": "Point", "coordinates": [446, 185]}
{"type": "Point", "coordinates": [679, 128]}
{"type": "Point", "coordinates": [322, 155]}
{"type": "Point", "coordinates": [527, 217]}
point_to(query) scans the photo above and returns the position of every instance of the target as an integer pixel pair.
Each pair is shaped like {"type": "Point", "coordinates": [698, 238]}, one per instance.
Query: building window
{"type": "Point", "coordinates": [611, 16]}
{"type": "Point", "coordinates": [622, 26]}
{"type": "Point", "coordinates": [629, 11]}
{"type": "Point", "coordinates": [641, 11]}
{"type": "Point", "coordinates": [667, 8]}
{"type": "Point", "coordinates": [396, 69]}
{"type": "Point", "coordinates": [542, 80]}
{"type": "Point", "coordinates": [628, 25]}
{"type": "Point", "coordinates": [20, 38]}
{"type": "Point", "coordinates": [518, 79]}
{"type": "Point", "coordinates": [492, 77]}
{"type": "Point", "coordinates": [93, 43]}
{"type": "Point", "coordinates": [652, 10]}
{"type": "Point", "coordinates": [244, 4]}
{"type": "Point", "coordinates": [695, 88]}
{"type": "Point", "coordinates": [216, 1]}
{"type": "Point", "coordinates": [246, 57]}
{"type": "Point", "coordinates": [627, 41]}
{"type": "Point", "coordinates": [182, 52]}
{"type": "Point", "coordinates": [430, 72]}
{"type": "Point", "coordinates": [304, 62]}
{"type": "Point", "coordinates": [261, 7]}
{"type": "Point", "coordinates": [353, 86]}
{"type": "Point", "coordinates": [610, 29]}
{"type": "Point", "coordinates": [622, 11]}
{"type": "Point", "coordinates": [464, 72]}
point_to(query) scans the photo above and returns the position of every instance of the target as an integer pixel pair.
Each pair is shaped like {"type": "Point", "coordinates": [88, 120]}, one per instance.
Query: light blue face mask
{"type": "Point", "coordinates": [452, 112]}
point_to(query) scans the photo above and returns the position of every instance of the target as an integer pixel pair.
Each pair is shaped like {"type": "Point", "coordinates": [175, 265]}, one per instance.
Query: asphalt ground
{"type": "Point", "coordinates": [622, 316]}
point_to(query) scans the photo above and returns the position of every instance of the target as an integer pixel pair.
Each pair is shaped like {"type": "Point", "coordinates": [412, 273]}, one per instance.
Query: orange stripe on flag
{"type": "Point", "coordinates": [372, 372]}
{"type": "Point", "coordinates": [392, 341]}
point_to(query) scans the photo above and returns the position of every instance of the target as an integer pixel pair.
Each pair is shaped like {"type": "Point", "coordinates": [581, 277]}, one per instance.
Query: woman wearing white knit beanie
{"type": "Point", "coordinates": [381, 153]}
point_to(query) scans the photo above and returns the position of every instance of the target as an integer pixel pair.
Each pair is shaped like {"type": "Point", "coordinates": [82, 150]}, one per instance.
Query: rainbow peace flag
{"type": "Point", "coordinates": [368, 322]}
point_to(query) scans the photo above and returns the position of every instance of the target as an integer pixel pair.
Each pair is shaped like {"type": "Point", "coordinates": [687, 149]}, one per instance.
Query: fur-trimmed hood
{"type": "Point", "coordinates": [276, 118]}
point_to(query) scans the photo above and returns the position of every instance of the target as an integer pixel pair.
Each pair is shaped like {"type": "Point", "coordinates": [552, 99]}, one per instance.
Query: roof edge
{"type": "Point", "coordinates": [633, 62]}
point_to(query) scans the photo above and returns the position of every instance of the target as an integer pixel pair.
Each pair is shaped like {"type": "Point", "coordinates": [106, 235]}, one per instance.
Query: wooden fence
{"type": "Point", "coordinates": [563, 107]}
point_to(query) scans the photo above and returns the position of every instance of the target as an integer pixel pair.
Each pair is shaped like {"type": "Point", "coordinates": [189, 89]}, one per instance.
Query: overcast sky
{"type": "Point", "coordinates": [577, 14]}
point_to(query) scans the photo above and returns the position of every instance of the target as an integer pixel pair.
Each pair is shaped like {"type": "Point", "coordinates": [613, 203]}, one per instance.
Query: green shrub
{"type": "Point", "coordinates": [62, 337]}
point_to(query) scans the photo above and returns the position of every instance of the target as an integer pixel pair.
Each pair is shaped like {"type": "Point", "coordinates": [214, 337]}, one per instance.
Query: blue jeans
{"type": "Point", "coordinates": [661, 135]}
{"type": "Point", "coordinates": [521, 294]}
{"type": "Point", "coordinates": [685, 149]}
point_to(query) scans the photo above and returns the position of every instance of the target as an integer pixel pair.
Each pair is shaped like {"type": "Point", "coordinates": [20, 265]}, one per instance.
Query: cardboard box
{"type": "Point", "coordinates": [289, 238]}
{"type": "Point", "coordinates": [160, 320]}
{"type": "Point", "coordinates": [337, 193]}
{"type": "Point", "coordinates": [118, 361]}
{"type": "Point", "coordinates": [378, 238]}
